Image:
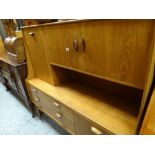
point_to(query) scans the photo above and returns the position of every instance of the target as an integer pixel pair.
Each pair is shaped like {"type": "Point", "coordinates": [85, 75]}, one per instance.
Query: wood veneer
{"type": "Point", "coordinates": [119, 51]}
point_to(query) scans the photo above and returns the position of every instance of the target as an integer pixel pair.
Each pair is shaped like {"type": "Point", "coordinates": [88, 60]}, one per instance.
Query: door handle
{"type": "Point", "coordinates": [83, 44]}
{"type": "Point", "coordinates": [75, 44]}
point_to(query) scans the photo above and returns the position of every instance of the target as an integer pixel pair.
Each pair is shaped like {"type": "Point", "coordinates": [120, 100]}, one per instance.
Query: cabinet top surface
{"type": "Point", "coordinates": [4, 58]}
{"type": "Point", "coordinates": [57, 23]}
{"type": "Point", "coordinates": [74, 21]}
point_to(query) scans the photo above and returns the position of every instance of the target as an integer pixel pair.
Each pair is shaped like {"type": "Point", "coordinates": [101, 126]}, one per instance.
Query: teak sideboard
{"type": "Point", "coordinates": [91, 76]}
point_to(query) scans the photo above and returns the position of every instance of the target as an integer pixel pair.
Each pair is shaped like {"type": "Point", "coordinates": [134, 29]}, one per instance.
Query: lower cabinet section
{"type": "Point", "coordinates": [64, 116]}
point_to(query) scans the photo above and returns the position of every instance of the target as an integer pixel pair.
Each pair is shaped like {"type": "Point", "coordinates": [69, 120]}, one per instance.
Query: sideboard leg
{"type": "Point", "coordinates": [39, 113]}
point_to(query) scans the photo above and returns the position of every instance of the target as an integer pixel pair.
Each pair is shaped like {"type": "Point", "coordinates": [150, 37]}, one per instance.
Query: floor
{"type": "Point", "coordinates": [16, 119]}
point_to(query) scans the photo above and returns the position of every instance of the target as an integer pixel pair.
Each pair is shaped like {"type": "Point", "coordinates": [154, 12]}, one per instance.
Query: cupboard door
{"type": "Point", "coordinates": [85, 127]}
{"type": "Point", "coordinates": [63, 44]}
{"type": "Point", "coordinates": [117, 49]}
{"type": "Point", "coordinates": [35, 44]}
{"type": "Point", "coordinates": [148, 126]}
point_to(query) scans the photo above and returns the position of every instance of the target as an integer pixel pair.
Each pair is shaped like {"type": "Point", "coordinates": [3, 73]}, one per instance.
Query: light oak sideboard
{"type": "Point", "coordinates": [91, 76]}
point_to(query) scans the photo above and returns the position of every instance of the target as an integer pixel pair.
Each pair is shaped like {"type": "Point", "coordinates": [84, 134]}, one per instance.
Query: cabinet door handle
{"type": "Point", "coordinates": [58, 115]}
{"type": "Point", "coordinates": [75, 44]}
{"type": "Point", "coordinates": [31, 33]}
{"type": "Point", "coordinates": [83, 44]}
{"type": "Point", "coordinates": [37, 99]}
{"type": "Point", "coordinates": [96, 131]}
{"type": "Point", "coordinates": [56, 104]}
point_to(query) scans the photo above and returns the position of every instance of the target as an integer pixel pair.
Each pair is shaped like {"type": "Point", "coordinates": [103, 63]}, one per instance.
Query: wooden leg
{"type": "Point", "coordinates": [39, 113]}
{"type": "Point", "coordinates": [7, 88]}
{"type": "Point", "coordinates": [33, 115]}
{"type": "Point", "coordinates": [31, 107]}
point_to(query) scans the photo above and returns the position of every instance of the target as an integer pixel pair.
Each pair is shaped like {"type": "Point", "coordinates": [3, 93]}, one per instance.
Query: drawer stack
{"type": "Point", "coordinates": [60, 113]}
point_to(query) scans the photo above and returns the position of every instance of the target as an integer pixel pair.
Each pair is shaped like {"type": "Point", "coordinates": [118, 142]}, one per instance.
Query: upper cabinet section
{"type": "Point", "coordinates": [116, 50]}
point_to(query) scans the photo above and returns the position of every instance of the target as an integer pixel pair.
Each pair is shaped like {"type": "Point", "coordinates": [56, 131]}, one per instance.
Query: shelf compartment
{"type": "Point", "coordinates": [97, 76]}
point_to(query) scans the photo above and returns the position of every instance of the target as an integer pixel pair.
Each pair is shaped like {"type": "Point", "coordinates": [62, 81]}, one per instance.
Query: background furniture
{"type": "Point", "coordinates": [91, 76]}
{"type": "Point", "coordinates": [13, 77]}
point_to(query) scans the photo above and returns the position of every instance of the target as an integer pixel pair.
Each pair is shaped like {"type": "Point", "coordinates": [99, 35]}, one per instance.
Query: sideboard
{"type": "Point", "coordinates": [91, 76]}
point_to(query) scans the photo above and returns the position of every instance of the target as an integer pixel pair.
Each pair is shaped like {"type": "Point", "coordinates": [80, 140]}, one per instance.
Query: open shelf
{"type": "Point", "coordinates": [97, 76]}
{"type": "Point", "coordinates": [113, 113]}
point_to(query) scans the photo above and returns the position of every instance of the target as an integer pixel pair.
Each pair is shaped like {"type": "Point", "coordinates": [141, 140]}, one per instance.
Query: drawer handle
{"type": "Point", "coordinates": [34, 90]}
{"type": "Point", "coordinates": [31, 33]}
{"type": "Point", "coordinates": [58, 115]}
{"type": "Point", "coordinates": [96, 131]}
{"type": "Point", "coordinates": [56, 104]}
{"type": "Point", "coordinates": [75, 44]}
{"type": "Point", "coordinates": [37, 99]}
{"type": "Point", "coordinates": [38, 106]}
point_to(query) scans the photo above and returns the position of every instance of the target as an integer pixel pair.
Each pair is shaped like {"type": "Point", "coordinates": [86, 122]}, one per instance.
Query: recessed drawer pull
{"type": "Point", "coordinates": [34, 90]}
{"type": "Point", "coordinates": [96, 131]}
{"type": "Point", "coordinates": [58, 115]}
{"type": "Point", "coordinates": [37, 99]}
{"type": "Point", "coordinates": [56, 104]}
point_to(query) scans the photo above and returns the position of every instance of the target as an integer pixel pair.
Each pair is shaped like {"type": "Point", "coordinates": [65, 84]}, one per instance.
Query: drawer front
{"type": "Point", "coordinates": [68, 123]}
{"type": "Point", "coordinates": [85, 127]}
{"type": "Point", "coordinates": [8, 78]}
{"type": "Point", "coordinates": [4, 66]}
{"type": "Point", "coordinates": [53, 108]}
{"type": "Point", "coordinates": [6, 74]}
{"type": "Point", "coordinates": [34, 95]}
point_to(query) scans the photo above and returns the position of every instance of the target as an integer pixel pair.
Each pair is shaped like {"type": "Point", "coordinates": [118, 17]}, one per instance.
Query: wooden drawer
{"type": "Point", "coordinates": [8, 78]}
{"type": "Point", "coordinates": [4, 66]}
{"type": "Point", "coordinates": [53, 108]}
{"type": "Point", "coordinates": [34, 95]}
{"type": "Point", "coordinates": [85, 127]}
